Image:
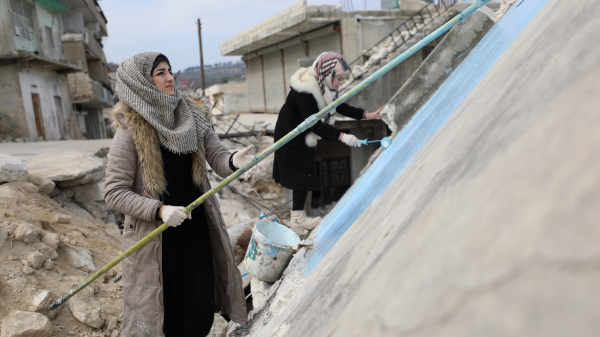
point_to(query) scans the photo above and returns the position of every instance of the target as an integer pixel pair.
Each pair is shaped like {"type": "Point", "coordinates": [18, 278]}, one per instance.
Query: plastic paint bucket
{"type": "Point", "coordinates": [270, 250]}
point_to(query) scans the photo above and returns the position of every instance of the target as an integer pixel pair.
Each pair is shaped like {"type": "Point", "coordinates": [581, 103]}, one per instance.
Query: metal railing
{"type": "Point", "coordinates": [412, 25]}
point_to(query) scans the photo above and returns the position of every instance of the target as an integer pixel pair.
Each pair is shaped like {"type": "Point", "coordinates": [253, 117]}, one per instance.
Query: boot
{"type": "Point", "coordinates": [300, 223]}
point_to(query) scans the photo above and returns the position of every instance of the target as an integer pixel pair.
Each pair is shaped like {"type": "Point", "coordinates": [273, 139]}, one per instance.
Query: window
{"type": "Point", "coordinates": [22, 16]}
{"type": "Point", "coordinates": [49, 37]}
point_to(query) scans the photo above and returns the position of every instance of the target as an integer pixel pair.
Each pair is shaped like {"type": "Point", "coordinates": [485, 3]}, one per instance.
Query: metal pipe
{"type": "Point", "coordinates": [308, 123]}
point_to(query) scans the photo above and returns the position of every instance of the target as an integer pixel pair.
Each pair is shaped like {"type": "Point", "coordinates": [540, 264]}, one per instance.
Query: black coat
{"type": "Point", "coordinates": [295, 165]}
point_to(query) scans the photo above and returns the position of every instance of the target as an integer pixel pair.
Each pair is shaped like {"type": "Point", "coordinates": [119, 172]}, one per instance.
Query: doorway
{"type": "Point", "coordinates": [37, 111]}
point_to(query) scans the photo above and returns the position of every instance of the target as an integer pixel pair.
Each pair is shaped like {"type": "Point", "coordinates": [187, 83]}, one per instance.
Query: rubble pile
{"type": "Point", "coordinates": [47, 249]}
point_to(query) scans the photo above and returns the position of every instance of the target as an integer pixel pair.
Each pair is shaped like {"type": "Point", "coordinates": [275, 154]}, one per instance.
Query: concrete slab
{"type": "Point", "coordinates": [488, 224]}
{"type": "Point", "coordinates": [30, 150]}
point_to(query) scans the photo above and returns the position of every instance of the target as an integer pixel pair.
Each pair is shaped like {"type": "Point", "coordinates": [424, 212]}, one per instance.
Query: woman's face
{"type": "Point", "coordinates": [163, 78]}
{"type": "Point", "coordinates": [338, 80]}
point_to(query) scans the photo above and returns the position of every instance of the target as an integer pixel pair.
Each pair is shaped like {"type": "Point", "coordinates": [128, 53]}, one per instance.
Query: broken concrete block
{"type": "Point", "coordinates": [12, 169]}
{"type": "Point", "coordinates": [62, 218]}
{"type": "Point", "coordinates": [219, 327]}
{"type": "Point", "coordinates": [94, 191]}
{"type": "Point", "coordinates": [68, 168]}
{"type": "Point", "coordinates": [48, 264]}
{"type": "Point", "coordinates": [73, 207]}
{"type": "Point", "coordinates": [86, 313]}
{"type": "Point", "coordinates": [27, 270]}
{"type": "Point", "coordinates": [26, 324]}
{"type": "Point", "coordinates": [41, 301]}
{"type": "Point", "coordinates": [36, 259]}
{"type": "Point", "coordinates": [3, 236]}
{"type": "Point", "coordinates": [260, 292]}
{"type": "Point", "coordinates": [111, 323]}
{"type": "Point", "coordinates": [51, 239]}
{"type": "Point", "coordinates": [115, 333]}
{"type": "Point", "coordinates": [28, 233]}
{"type": "Point", "coordinates": [79, 257]}
{"type": "Point", "coordinates": [45, 185]}
{"type": "Point", "coordinates": [48, 252]}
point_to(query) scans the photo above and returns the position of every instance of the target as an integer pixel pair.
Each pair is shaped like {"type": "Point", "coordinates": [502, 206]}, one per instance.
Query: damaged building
{"type": "Point", "coordinates": [53, 71]}
{"type": "Point", "coordinates": [275, 48]}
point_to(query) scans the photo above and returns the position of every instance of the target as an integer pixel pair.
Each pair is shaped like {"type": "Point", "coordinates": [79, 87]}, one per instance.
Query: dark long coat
{"type": "Point", "coordinates": [295, 165]}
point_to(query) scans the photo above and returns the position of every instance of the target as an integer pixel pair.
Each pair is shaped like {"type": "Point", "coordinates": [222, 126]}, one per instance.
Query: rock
{"type": "Point", "coordinates": [41, 301]}
{"type": "Point", "coordinates": [79, 257]}
{"type": "Point", "coordinates": [48, 252]}
{"type": "Point", "coordinates": [85, 312]}
{"type": "Point", "coordinates": [111, 323]}
{"type": "Point", "coordinates": [51, 239]}
{"type": "Point", "coordinates": [73, 207]}
{"type": "Point", "coordinates": [27, 270]}
{"type": "Point", "coordinates": [115, 333]}
{"type": "Point", "coordinates": [28, 233]}
{"type": "Point", "coordinates": [3, 236]}
{"type": "Point", "coordinates": [26, 324]}
{"type": "Point", "coordinates": [244, 238]}
{"type": "Point", "coordinates": [219, 327]}
{"type": "Point", "coordinates": [260, 292]}
{"type": "Point", "coordinates": [45, 185]}
{"type": "Point", "coordinates": [94, 191]}
{"type": "Point", "coordinates": [48, 264]}
{"type": "Point", "coordinates": [12, 169]}
{"type": "Point", "coordinates": [36, 259]}
{"type": "Point", "coordinates": [68, 168]}
{"type": "Point", "coordinates": [62, 218]}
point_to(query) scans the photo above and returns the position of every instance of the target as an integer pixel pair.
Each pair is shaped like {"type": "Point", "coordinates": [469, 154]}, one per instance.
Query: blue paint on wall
{"type": "Point", "coordinates": [422, 127]}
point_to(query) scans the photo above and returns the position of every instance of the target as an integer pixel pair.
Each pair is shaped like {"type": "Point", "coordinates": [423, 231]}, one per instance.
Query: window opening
{"type": "Point", "coordinates": [22, 16]}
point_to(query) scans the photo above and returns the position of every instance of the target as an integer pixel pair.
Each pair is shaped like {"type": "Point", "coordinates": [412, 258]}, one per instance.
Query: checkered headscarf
{"type": "Point", "coordinates": [179, 124]}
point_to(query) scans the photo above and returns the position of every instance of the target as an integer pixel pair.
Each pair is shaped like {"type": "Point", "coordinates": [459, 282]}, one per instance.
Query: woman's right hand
{"type": "Point", "coordinates": [350, 140]}
{"type": "Point", "coordinates": [173, 215]}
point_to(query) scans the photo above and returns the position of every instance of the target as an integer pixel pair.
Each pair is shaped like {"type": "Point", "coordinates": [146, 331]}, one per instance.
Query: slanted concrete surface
{"type": "Point", "coordinates": [491, 228]}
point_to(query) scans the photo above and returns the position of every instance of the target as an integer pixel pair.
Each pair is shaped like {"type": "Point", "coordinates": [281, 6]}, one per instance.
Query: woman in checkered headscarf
{"type": "Point", "coordinates": [295, 165]}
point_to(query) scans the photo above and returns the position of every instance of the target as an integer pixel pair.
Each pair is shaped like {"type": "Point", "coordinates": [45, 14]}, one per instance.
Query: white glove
{"type": "Point", "coordinates": [243, 157]}
{"type": "Point", "coordinates": [173, 215]}
{"type": "Point", "coordinates": [350, 140]}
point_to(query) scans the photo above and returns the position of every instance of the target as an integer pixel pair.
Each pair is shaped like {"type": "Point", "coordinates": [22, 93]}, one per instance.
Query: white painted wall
{"type": "Point", "coordinates": [47, 19]}
{"type": "Point", "coordinates": [46, 84]}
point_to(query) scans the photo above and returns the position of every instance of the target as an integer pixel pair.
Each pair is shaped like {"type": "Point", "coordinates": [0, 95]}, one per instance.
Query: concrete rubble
{"type": "Point", "coordinates": [26, 324]}
{"type": "Point", "coordinates": [11, 169]}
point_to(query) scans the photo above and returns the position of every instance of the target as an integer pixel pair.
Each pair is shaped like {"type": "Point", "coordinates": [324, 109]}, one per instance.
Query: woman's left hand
{"type": "Point", "coordinates": [243, 157]}
{"type": "Point", "coordinates": [374, 114]}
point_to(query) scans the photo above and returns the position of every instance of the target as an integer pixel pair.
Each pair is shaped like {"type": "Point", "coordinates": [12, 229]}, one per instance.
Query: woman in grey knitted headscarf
{"type": "Point", "coordinates": [156, 165]}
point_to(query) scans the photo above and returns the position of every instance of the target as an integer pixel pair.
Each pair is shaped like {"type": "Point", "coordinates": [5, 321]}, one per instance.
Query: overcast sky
{"type": "Point", "coordinates": [169, 26]}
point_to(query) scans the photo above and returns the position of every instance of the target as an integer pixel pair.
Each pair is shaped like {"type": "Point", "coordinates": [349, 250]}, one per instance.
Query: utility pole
{"type": "Point", "coordinates": [201, 56]}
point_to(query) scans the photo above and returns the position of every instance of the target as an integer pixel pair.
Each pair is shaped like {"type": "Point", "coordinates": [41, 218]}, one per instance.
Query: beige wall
{"type": "Point", "coordinates": [47, 84]}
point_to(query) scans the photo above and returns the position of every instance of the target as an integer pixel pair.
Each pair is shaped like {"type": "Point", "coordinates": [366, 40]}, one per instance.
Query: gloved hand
{"type": "Point", "coordinates": [350, 140]}
{"type": "Point", "coordinates": [241, 158]}
{"type": "Point", "coordinates": [173, 215]}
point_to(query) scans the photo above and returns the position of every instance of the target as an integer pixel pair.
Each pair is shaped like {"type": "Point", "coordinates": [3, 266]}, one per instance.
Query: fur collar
{"type": "Point", "coordinates": [148, 147]}
{"type": "Point", "coordinates": [304, 81]}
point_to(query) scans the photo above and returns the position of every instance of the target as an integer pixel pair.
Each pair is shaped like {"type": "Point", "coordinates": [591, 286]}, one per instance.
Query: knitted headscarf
{"type": "Point", "coordinates": [325, 68]}
{"type": "Point", "coordinates": [179, 124]}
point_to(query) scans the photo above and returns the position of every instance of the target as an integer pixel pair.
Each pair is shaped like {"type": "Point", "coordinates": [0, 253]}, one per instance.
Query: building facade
{"type": "Point", "coordinates": [53, 80]}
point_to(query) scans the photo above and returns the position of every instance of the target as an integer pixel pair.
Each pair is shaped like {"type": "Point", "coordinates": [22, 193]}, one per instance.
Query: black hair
{"type": "Point", "coordinates": [160, 58]}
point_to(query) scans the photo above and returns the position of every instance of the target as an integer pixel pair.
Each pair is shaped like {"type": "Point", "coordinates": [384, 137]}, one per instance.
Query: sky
{"type": "Point", "coordinates": [169, 26]}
